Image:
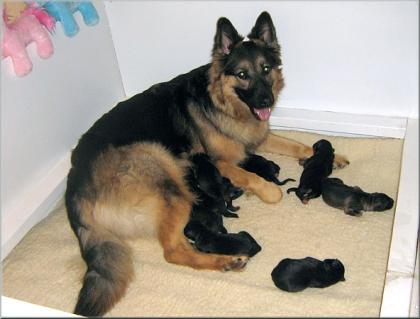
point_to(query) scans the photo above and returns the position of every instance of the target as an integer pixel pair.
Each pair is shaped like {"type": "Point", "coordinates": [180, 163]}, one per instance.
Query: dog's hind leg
{"type": "Point", "coordinates": [267, 191]}
{"type": "Point", "coordinates": [177, 249]}
{"type": "Point", "coordinates": [288, 147]}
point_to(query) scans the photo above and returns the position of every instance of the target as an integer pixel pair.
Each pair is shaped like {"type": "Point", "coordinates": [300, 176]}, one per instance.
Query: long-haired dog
{"type": "Point", "coordinates": [128, 169]}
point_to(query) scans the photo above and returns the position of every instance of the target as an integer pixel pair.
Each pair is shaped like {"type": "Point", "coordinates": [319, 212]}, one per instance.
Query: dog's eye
{"type": "Point", "coordinates": [266, 69]}
{"type": "Point", "coordinates": [242, 75]}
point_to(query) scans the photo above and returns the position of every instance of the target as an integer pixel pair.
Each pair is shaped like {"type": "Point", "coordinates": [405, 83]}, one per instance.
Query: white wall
{"type": "Point", "coordinates": [44, 113]}
{"type": "Point", "coordinates": [342, 56]}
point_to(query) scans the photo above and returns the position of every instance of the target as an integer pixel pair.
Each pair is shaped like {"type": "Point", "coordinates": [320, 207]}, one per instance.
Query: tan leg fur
{"type": "Point", "coordinates": [284, 146]}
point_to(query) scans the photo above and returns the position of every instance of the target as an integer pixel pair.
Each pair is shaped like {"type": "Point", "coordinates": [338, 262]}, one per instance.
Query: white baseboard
{"type": "Point", "coordinates": [342, 124]}
{"type": "Point", "coordinates": [400, 276]}
{"type": "Point", "coordinates": [415, 295]}
{"type": "Point", "coordinates": [36, 205]}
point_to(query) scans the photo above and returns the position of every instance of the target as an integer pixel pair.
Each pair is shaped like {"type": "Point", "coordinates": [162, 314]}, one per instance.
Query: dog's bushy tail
{"type": "Point", "coordinates": [108, 259]}
{"type": "Point", "coordinates": [109, 270]}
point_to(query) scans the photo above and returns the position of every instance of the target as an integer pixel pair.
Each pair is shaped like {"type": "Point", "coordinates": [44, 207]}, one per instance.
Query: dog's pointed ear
{"type": "Point", "coordinates": [264, 30]}
{"type": "Point", "coordinates": [226, 37]}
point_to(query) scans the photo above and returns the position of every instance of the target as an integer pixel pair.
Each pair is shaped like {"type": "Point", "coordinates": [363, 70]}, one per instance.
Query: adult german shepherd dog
{"type": "Point", "coordinates": [128, 169]}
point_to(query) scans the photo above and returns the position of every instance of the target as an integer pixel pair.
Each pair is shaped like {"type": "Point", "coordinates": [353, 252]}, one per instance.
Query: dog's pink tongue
{"type": "Point", "coordinates": [263, 114]}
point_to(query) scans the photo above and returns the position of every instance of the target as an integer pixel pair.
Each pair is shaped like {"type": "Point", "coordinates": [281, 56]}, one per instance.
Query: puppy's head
{"type": "Point", "coordinates": [272, 168]}
{"type": "Point", "coordinates": [230, 192]}
{"type": "Point", "coordinates": [335, 269]}
{"type": "Point", "coordinates": [303, 193]}
{"type": "Point", "coordinates": [323, 146]}
{"type": "Point", "coordinates": [380, 202]}
{"type": "Point", "coordinates": [245, 78]}
{"type": "Point", "coordinates": [207, 177]}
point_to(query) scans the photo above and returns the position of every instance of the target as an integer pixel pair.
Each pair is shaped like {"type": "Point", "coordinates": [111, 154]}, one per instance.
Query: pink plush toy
{"type": "Point", "coordinates": [23, 30]}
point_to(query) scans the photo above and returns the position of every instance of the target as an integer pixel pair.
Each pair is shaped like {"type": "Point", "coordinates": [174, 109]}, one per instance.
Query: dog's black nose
{"type": "Point", "coordinates": [265, 101]}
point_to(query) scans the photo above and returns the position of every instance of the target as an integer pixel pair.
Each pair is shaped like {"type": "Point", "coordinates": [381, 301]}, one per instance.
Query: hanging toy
{"type": "Point", "coordinates": [23, 24]}
{"type": "Point", "coordinates": [63, 12]}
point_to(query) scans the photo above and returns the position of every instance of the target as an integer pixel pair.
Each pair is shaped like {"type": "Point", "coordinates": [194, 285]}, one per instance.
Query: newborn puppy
{"type": "Point", "coordinates": [231, 192]}
{"type": "Point", "coordinates": [210, 219]}
{"type": "Point", "coordinates": [214, 192]}
{"type": "Point", "coordinates": [264, 168]}
{"type": "Point", "coordinates": [315, 169]}
{"type": "Point", "coordinates": [295, 275]}
{"type": "Point", "coordinates": [353, 200]}
{"type": "Point", "coordinates": [208, 241]}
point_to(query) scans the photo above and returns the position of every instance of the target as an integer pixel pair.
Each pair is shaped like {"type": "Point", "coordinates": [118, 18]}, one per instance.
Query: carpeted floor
{"type": "Point", "coordinates": [46, 267]}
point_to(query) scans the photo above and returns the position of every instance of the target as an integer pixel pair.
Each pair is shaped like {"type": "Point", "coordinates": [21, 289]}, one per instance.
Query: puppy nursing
{"type": "Point", "coordinates": [209, 241]}
{"type": "Point", "coordinates": [264, 168]}
{"type": "Point", "coordinates": [214, 197]}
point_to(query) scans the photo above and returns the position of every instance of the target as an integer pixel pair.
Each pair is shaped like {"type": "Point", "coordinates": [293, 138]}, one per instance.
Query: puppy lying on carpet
{"type": "Point", "coordinates": [295, 275]}
{"type": "Point", "coordinates": [208, 241]}
{"type": "Point", "coordinates": [264, 168]}
{"type": "Point", "coordinates": [315, 168]}
{"type": "Point", "coordinates": [353, 200]}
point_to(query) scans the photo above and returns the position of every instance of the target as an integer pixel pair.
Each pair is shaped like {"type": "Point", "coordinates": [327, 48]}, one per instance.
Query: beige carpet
{"type": "Point", "coordinates": [46, 268]}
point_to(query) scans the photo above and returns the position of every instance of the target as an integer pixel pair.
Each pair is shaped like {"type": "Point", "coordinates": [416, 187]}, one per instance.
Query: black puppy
{"type": "Point", "coordinates": [209, 241]}
{"type": "Point", "coordinates": [230, 192]}
{"type": "Point", "coordinates": [353, 200]}
{"type": "Point", "coordinates": [315, 169]}
{"type": "Point", "coordinates": [214, 193]}
{"type": "Point", "coordinates": [295, 275]}
{"type": "Point", "coordinates": [264, 168]}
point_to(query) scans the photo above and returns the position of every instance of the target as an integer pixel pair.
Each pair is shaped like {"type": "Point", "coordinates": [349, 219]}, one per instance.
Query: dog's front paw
{"type": "Point", "coordinates": [340, 161]}
{"type": "Point", "coordinates": [269, 193]}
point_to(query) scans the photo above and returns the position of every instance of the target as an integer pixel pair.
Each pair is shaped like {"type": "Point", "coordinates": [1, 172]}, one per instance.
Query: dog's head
{"type": "Point", "coordinates": [245, 76]}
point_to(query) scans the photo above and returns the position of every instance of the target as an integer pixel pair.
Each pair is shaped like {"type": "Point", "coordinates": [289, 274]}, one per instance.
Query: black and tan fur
{"type": "Point", "coordinates": [127, 175]}
{"type": "Point", "coordinates": [352, 199]}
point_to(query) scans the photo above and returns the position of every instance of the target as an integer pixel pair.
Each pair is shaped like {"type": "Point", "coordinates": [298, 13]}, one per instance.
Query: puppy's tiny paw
{"type": "Point", "coordinates": [354, 213]}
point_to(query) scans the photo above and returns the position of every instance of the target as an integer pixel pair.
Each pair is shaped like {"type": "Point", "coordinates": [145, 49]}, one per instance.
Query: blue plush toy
{"type": "Point", "coordinates": [63, 12]}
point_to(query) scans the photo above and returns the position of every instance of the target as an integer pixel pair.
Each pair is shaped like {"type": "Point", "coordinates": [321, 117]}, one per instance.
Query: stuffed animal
{"type": "Point", "coordinates": [12, 11]}
{"type": "Point", "coordinates": [23, 29]}
{"type": "Point", "coordinates": [63, 12]}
